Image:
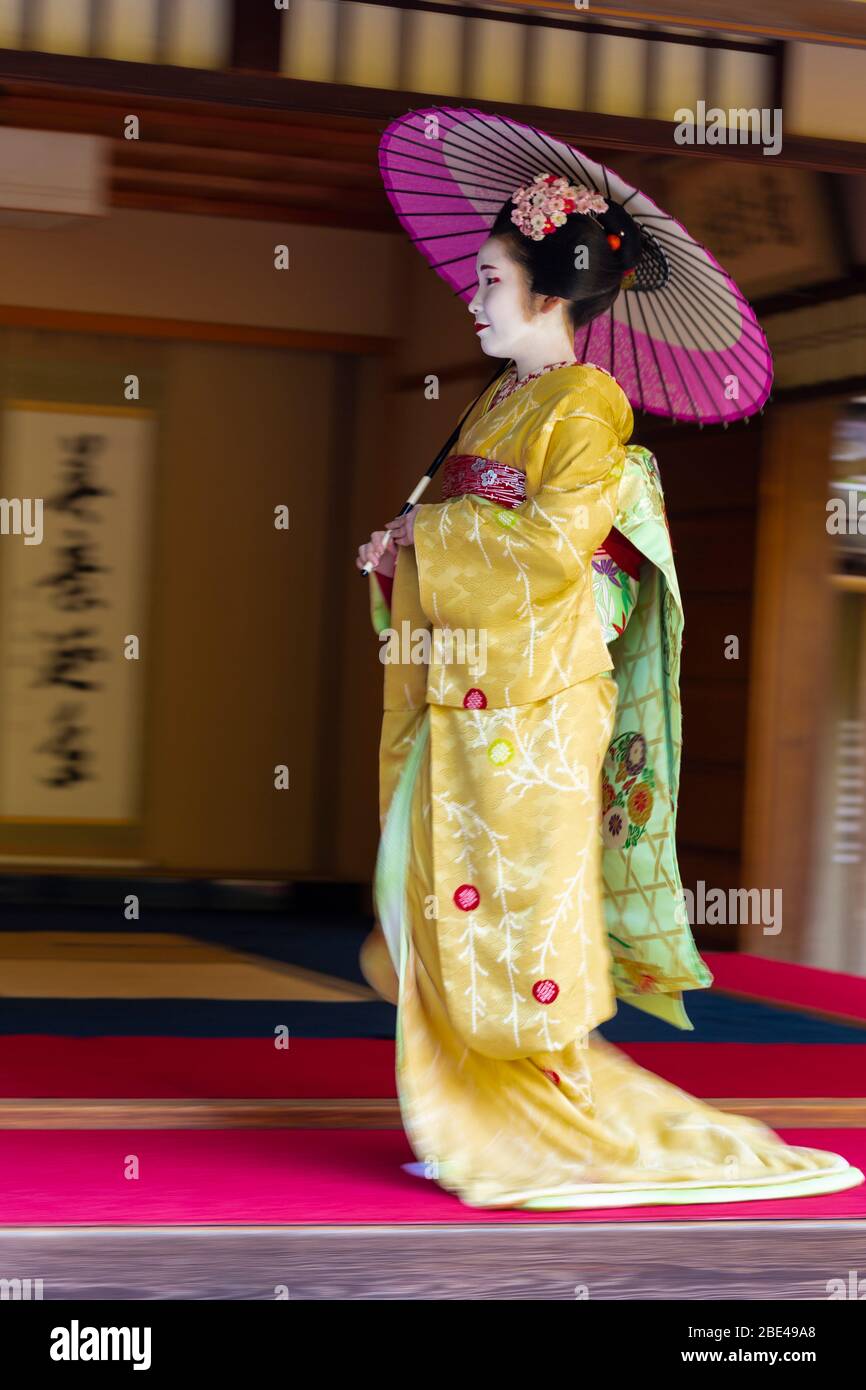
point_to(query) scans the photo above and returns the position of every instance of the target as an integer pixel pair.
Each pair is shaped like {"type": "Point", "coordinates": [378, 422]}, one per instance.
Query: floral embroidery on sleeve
{"type": "Point", "coordinates": [628, 792]}
{"type": "Point", "coordinates": [615, 594]}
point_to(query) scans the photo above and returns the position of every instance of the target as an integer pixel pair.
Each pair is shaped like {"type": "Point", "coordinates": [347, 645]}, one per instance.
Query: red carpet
{"type": "Point", "coordinates": [292, 1177]}
{"type": "Point", "coordinates": [777, 982]}
{"type": "Point", "coordinates": [165, 1067]}
{"type": "Point", "coordinates": [239, 1068]}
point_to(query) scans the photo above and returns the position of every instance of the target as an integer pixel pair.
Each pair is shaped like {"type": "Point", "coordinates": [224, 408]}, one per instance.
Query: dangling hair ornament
{"type": "Point", "coordinates": [543, 205]}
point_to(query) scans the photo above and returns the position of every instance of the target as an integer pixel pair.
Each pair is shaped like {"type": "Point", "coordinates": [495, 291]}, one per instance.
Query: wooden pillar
{"type": "Point", "coordinates": [791, 635]}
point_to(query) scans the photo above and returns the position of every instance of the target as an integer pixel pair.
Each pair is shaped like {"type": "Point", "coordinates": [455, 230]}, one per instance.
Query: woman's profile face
{"type": "Point", "coordinates": [502, 304]}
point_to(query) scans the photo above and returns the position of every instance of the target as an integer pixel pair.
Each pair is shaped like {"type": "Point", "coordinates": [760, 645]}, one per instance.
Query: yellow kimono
{"type": "Point", "coordinates": [499, 706]}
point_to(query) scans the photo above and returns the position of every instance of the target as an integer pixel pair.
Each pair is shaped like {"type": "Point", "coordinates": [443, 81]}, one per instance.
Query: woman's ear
{"type": "Point", "coordinates": [550, 303]}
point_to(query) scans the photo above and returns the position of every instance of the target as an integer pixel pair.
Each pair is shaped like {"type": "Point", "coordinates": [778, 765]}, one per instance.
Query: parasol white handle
{"type": "Point", "coordinates": [407, 506]}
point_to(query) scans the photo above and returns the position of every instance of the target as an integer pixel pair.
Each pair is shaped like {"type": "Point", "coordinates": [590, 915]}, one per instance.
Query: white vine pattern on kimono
{"type": "Point", "coordinates": [524, 608]}
{"type": "Point", "coordinates": [564, 902]}
{"type": "Point", "coordinates": [535, 508]}
{"type": "Point", "coordinates": [475, 535]}
{"type": "Point", "coordinates": [443, 681]}
{"type": "Point", "coordinates": [479, 1010]}
{"type": "Point", "coordinates": [444, 525]}
{"type": "Point", "coordinates": [559, 774]}
{"type": "Point", "coordinates": [469, 827]}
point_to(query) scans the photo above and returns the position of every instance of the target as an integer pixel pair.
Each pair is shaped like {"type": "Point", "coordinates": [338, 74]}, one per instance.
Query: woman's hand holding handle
{"type": "Point", "coordinates": [379, 552]}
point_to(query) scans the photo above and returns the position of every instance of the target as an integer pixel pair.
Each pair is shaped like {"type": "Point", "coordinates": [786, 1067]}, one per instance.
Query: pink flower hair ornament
{"type": "Point", "coordinates": [543, 205]}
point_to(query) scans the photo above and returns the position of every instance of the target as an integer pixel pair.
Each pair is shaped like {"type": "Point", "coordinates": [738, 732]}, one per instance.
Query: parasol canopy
{"type": "Point", "coordinates": [680, 337]}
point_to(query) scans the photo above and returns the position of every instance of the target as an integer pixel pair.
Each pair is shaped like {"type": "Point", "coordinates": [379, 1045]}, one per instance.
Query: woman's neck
{"type": "Point", "coordinates": [544, 354]}
{"type": "Point", "coordinates": [528, 366]}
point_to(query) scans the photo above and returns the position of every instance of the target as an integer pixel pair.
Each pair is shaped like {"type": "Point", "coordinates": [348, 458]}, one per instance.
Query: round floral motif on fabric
{"type": "Point", "coordinates": [628, 791]}
{"type": "Point", "coordinates": [635, 755]}
{"type": "Point", "coordinates": [500, 752]}
{"type": "Point", "coordinates": [638, 977]}
{"type": "Point", "coordinates": [475, 699]}
{"type": "Point", "coordinates": [467, 897]}
{"type": "Point", "coordinates": [545, 991]}
{"type": "Point", "coordinates": [614, 828]}
{"type": "Point", "coordinates": [639, 804]}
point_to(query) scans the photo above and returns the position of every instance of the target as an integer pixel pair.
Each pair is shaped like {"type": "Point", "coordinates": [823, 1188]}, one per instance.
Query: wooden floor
{"type": "Point", "coordinates": [609, 1260]}
{"type": "Point", "coordinates": [724, 1260]}
{"type": "Point", "coordinates": [159, 965]}
{"type": "Point", "coordinates": [43, 1112]}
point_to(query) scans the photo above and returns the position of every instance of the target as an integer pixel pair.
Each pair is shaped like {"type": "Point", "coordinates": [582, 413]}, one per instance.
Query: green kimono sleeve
{"type": "Point", "coordinates": [380, 606]}
{"type": "Point", "coordinates": [655, 957]}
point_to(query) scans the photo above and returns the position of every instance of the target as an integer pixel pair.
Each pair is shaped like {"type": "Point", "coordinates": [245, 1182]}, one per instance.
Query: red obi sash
{"type": "Point", "coordinates": [485, 477]}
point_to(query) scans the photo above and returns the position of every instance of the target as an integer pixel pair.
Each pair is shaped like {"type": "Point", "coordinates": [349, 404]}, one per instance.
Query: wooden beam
{"type": "Point", "coordinates": [833, 21]}
{"type": "Point", "coordinates": [191, 330]}
{"type": "Point", "coordinates": [285, 170]}
{"type": "Point", "coordinates": [361, 207]}
{"type": "Point", "coordinates": [192, 205]}
{"type": "Point", "coordinates": [566, 17]}
{"type": "Point", "coordinates": [351, 1113]}
{"type": "Point", "coordinates": [268, 103]}
{"type": "Point", "coordinates": [323, 135]}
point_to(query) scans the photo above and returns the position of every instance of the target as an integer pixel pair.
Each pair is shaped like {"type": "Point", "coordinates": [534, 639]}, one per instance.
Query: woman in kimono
{"type": "Point", "coordinates": [529, 771]}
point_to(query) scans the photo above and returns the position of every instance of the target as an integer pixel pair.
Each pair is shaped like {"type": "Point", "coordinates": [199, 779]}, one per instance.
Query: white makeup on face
{"type": "Point", "coordinates": [499, 303]}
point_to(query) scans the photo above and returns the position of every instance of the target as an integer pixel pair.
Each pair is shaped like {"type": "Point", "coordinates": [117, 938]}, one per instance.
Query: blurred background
{"type": "Point", "coordinates": [190, 703]}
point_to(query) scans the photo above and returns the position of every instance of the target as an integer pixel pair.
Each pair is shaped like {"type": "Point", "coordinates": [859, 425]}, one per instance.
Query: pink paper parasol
{"type": "Point", "coordinates": [682, 340]}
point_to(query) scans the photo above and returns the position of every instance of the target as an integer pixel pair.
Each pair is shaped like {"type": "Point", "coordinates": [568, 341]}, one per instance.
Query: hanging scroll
{"type": "Point", "coordinates": [73, 532]}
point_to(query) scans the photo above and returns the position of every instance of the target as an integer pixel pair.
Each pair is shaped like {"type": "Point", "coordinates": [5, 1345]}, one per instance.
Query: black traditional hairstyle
{"type": "Point", "coordinates": [553, 265]}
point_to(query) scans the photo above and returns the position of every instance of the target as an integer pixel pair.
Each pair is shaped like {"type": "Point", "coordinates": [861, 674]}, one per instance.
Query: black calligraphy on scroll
{"type": "Point", "coordinates": [77, 583]}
